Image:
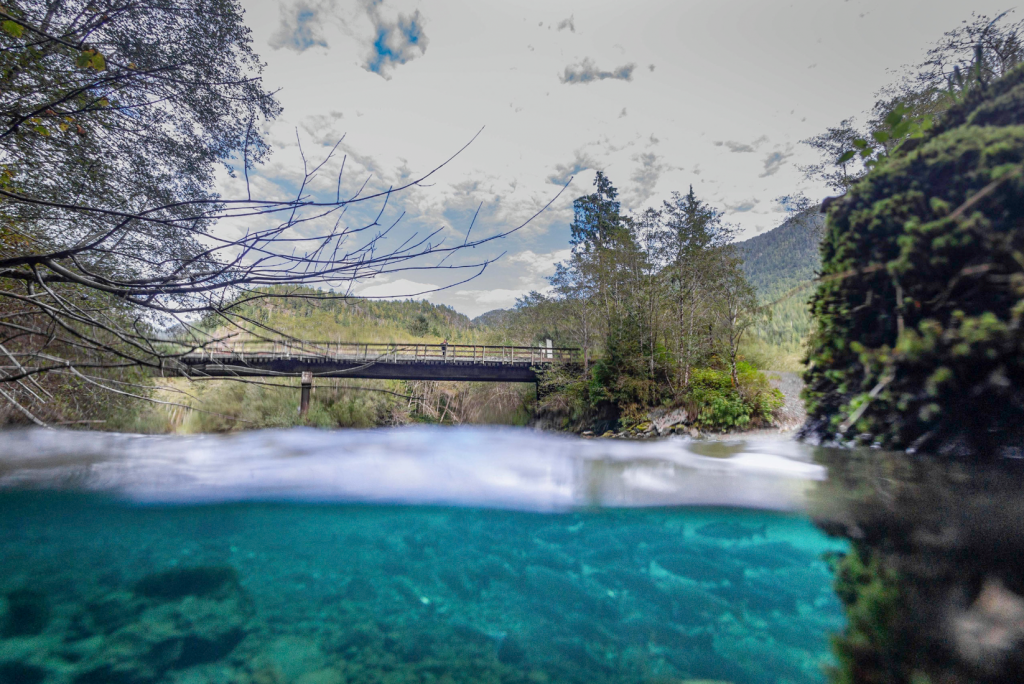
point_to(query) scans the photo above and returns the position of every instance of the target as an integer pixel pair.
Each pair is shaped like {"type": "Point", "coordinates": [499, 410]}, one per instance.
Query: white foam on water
{"type": "Point", "coordinates": [470, 466]}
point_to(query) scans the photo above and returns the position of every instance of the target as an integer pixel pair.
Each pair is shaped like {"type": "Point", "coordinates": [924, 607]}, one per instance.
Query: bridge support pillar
{"type": "Point", "coordinates": [307, 386]}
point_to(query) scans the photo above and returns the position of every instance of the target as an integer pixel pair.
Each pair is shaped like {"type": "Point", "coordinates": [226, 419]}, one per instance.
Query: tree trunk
{"type": "Point", "coordinates": [735, 376]}
{"type": "Point", "coordinates": [689, 344]}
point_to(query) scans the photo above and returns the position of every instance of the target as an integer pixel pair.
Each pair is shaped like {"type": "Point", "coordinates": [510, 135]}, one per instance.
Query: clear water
{"type": "Point", "coordinates": [311, 557]}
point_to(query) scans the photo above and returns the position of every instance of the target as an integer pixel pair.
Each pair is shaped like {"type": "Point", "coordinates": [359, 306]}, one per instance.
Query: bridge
{"type": "Point", "coordinates": [369, 360]}
{"type": "Point", "coordinates": [378, 361]}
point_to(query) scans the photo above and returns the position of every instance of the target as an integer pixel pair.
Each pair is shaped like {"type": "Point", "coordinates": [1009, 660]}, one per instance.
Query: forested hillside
{"type": "Point", "coordinates": [778, 261]}
{"type": "Point", "coordinates": [308, 316]}
{"type": "Point", "coordinates": [491, 319]}
{"type": "Point", "coordinates": [784, 257]}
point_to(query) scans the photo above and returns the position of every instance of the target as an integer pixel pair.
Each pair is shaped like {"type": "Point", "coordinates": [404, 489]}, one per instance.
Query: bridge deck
{"type": "Point", "coordinates": [485, 363]}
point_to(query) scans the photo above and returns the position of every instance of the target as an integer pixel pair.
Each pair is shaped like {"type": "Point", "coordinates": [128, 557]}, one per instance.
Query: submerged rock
{"type": "Point", "coordinates": [109, 612]}
{"type": "Point", "coordinates": [26, 615]}
{"type": "Point", "coordinates": [207, 581]}
{"type": "Point", "coordinates": [990, 634]}
{"type": "Point", "coordinates": [20, 673]}
{"type": "Point", "coordinates": [293, 658]}
{"type": "Point", "coordinates": [694, 567]}
{"type": "Point", "coordinates": [172, 621]}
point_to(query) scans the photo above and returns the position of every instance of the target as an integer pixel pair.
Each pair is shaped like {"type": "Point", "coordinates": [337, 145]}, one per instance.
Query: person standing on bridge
{"type": "Point", "coordinates": [444, 350]}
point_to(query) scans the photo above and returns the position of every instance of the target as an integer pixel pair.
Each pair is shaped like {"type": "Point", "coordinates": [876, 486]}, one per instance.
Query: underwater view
{"type": "Point", "coordinates": [212, 561]}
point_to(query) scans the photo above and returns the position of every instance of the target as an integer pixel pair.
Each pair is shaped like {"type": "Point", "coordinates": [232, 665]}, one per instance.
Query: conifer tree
{"type": "Point", "coordinates": [693, 237]}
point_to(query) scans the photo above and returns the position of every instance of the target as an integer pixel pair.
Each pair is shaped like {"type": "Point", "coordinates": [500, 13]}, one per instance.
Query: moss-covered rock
{"type": "Point", "coordinates": [918, 339]}
{"type": "Point", "coordinates": [933, 584]}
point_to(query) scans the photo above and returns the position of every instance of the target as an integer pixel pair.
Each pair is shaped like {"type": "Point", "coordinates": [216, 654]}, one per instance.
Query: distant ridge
{"type": "Point", "coordinates": [784, 257]}
{"type": "Point", "coordinates": [490, 319]}
{"type": "Point", "coordinates": [779, 260]}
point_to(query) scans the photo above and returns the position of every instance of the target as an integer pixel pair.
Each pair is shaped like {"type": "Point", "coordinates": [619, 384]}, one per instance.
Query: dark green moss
{"type": "Point", "coordinates": [930, 336]}
{"type": "Point", "coordinates": [866, 649]}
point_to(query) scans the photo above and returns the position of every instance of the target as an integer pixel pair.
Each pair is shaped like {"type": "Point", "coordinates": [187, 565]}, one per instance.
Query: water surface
{"type": "Point", "coordinates": [314, 557]}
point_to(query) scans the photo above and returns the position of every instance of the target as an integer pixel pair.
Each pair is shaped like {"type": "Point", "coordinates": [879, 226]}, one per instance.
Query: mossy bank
{"type": "Point", "coordinates": [918, 339]}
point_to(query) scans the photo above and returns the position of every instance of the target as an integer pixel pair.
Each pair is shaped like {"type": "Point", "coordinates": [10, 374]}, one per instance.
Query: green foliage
{"type": "Point", "coordinates": [12, 28]}
{"type": "Point", "coordinates": [870, 595]}
{"type": "Point", "coordinates": [711, 399]}
{"type": "Point", "coordinates": [624, 375]}
{"type": "Point", "coordinates": [225, 406]}
{"type": "Point", "coordinates": [649, 298]}
{"type": "Point", "coordinates": [839, 166]}
{"type": "Point", "coordinates": [900, 126]}
{"type": "Point", "coordinates": [597, 222]}
{"type": "Point", "coordinates": [719, 404]}
{"type": "Point", "coordinates": [918, 337]}
{"type": "Point", "coordinates": [567, 395]}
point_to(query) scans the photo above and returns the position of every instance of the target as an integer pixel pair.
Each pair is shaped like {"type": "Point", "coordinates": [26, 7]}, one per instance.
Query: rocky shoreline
{"type": "Point", "coordinates": [668, 422]}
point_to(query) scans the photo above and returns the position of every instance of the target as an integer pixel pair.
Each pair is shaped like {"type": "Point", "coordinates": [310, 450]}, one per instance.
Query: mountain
{"type": "Point", "coordinates": [363, 320]}
{"type": "Point", "coordinates": [490, 319]}
{"type": "Point", "coordinates": [778, 261]}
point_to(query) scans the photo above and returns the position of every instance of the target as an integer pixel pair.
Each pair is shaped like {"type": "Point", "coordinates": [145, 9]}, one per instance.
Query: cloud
{"type": "Point", "coordinates": [773, 162]}
{"type": "Point", "coordinates": [321, 127]}
{"type": "Point", "coordinates": [581, 162]}
{"type": "Point", "coordinates": [587, 72]}
{"type": "Point", "coordinates": [493, 298]}
{"type": "Point", "coordinates": [538, 264]}
{"type": "Point", "coordinates": [395, 289]}
{"type": "Point", "coordinates": [532, 269]}
{"type": "Point", "coordinates": [396, 41]}
{"type": "Point", "coordinates": [741, 206]}
{"type": "Point", "coordinates": [742, 147]}
{"type": "Point", "coordinates": [645, 177]}
{"type": "Point", "coordinates": [301, 26]}
{"type": "Point", "coordinates": [569, 23]}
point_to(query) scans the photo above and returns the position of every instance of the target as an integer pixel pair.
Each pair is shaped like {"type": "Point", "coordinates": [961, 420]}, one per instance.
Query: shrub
{"type": "Point", "coordinates": [717, 404]}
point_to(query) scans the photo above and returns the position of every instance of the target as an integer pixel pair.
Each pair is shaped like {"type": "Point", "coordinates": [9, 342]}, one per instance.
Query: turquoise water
{"type": "Point", "coordinates": [110, 577]}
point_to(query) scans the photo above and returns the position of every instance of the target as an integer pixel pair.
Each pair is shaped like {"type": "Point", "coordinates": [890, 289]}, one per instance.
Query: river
{"type": "Point", "coordinates": [421, 554]}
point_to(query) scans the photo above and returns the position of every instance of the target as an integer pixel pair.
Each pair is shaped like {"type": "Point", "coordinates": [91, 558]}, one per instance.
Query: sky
{"type": "Point", "coordinates": [660, 96]}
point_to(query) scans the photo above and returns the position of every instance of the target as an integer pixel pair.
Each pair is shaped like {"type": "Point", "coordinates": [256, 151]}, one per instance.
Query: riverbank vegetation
{"type": "Point", "coordinates": [660, 306]}
{"type": "Point", "coordinates": [918, 339]}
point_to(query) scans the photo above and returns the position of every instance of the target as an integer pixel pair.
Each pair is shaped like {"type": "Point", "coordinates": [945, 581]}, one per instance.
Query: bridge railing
{"type": "Point", "coordinates": [371, 352]}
